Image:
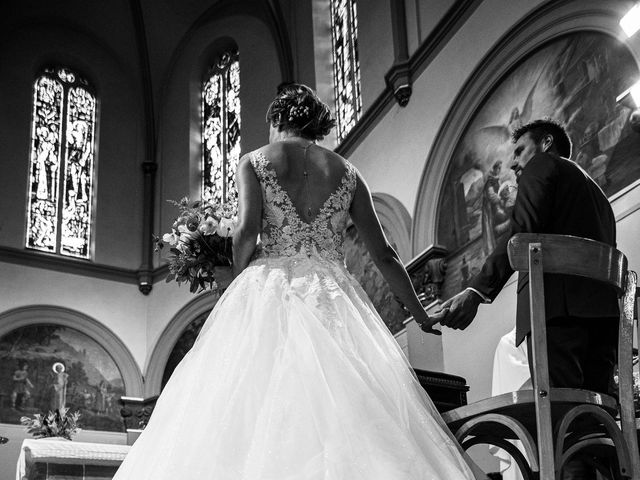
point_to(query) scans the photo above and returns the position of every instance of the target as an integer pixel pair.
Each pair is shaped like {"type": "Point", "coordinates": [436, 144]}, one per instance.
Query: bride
{"type": "Point", "coordinates": [294, 376]}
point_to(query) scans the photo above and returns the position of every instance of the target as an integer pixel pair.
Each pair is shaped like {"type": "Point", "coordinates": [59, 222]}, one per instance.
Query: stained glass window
{"type": "Point", "coordinates": [61, 173]}
{"type": "Point", "coordinates": [346, 65]}
{"type": "Point", "coordinates": [221, 129]}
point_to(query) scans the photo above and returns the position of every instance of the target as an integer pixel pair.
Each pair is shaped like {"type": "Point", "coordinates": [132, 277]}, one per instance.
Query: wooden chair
{"type": "Point", "coordinates": [556, 424]}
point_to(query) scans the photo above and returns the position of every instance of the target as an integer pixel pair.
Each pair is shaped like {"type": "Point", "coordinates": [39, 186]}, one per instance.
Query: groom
{"type": "Point", "coordinates": [554, 196]}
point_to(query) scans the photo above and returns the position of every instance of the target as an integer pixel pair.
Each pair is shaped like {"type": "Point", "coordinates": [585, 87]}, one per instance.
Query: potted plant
{"type": "Point", "coordinates": [59, 423]}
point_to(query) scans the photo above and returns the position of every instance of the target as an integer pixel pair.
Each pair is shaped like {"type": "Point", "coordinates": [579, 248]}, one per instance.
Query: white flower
{"type": "Point", "coordinates": [170, 238]}
{"type": "Point", "coordinates": [208, 227]}
{"type": "Point", "coordinates": [226, 227]}
{"type": "Point", "coordinates": [182, 229]}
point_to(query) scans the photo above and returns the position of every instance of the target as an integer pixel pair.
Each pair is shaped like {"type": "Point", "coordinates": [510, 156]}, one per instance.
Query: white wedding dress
{"type": "Point", "coordinates": [294, 376]}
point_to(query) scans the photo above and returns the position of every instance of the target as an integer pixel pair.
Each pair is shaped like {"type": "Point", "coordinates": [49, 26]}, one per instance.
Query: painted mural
{"type": "Point", "coordinates": [361, 265]}
{"type": "Point", "coordinates": [44, 367]}
{"type": "Point", "coordinates": [574, 79]}
{"type": "Point", "coordinates": [182, 346]}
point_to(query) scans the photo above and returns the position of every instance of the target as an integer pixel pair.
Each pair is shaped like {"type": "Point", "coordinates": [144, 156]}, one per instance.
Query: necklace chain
{"type": "Point", "coordinates": [305, 174]}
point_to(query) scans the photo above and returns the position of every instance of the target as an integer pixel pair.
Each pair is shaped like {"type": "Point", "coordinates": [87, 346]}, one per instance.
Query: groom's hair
{"type": "Point", "coordinates": [539, 128]}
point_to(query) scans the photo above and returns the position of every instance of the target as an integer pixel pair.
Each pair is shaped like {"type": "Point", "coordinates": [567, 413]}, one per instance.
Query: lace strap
{"type": "Point", "coordinates": [259, 164]}
{"type": "Point", "coordinates": [352, 179]}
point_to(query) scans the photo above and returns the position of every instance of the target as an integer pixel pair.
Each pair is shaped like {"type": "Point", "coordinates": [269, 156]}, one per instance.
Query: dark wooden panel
{"type": "Point", "coordinates": [446, 391]}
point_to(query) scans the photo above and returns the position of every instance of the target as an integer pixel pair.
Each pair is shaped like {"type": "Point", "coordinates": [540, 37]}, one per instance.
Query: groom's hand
{"type": "Point", "coordinates": [459, 311]}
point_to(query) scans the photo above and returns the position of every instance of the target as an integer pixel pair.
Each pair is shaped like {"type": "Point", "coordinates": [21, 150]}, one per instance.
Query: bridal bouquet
{"type": "Point", "coordinates": [200, 240]}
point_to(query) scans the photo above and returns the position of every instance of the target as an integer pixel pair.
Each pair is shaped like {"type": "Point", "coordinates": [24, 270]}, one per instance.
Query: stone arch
{"type": "Point", "coordinates": [48, 314]}
{"type": "Point", "coordinates": [201, 305]}
{"type": "Point", "coordinates": [395, 218]}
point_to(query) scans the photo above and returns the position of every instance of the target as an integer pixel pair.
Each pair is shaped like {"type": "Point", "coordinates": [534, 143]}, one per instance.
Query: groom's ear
{"type": "Point", "coordinates": [547, 143]}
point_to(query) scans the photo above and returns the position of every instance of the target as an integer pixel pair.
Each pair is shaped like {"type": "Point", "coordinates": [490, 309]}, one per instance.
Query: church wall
{"type": "Point", "coordinates": [180, 152]}
{"type": "Point", "coordinates": [299, 17]}
{"type": "Point", "coordinates": [422, 17]}
{"type": "Point", "coordinates": [165, 301]}
{"type": "Point", "coordinates": [119, 306]}
{"type": "Point", "coordinates": [401, 140]}
{"type": "Point", "coordinates": [375, 45]}
{"type": "Point", "coordinates": [118, 147]}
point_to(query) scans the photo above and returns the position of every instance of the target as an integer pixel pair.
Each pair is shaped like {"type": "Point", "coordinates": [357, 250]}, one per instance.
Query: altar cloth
{"type": "Point", "coordinates": [62, 451]}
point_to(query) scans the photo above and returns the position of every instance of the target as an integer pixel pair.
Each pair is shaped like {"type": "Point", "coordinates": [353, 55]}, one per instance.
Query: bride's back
{"type": "Point", "coordinates": [324, 170]}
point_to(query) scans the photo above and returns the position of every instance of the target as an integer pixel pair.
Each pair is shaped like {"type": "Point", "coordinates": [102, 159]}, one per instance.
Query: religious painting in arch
{"type": "Point", "coordinates": [574, 79]}
{"type": "Point", "coordinates": [46, 366]}
{"type": "Point", "coordinates": [361, 265]}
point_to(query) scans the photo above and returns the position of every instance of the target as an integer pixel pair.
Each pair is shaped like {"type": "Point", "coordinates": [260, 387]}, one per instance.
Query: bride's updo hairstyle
{"type": "Point", "coordinates": [298, 109]}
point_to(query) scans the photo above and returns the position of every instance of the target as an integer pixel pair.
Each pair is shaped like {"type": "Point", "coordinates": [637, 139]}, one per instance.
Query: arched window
{"type": "Point", "coordinates": [221, 128]}
{"type": "Point", "coordinates": [346, 65]}
{"type": "Point", "coordinates": [61, 172]}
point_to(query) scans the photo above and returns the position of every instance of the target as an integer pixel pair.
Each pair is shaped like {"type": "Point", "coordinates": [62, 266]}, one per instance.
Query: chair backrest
{"type": "Point", "coordinates": [547, 253]}
{"type": "Point", "coordinates": [572, 256]}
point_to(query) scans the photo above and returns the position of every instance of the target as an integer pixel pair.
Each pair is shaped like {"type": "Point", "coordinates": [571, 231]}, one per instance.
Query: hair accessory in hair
{"type": "Point", "coordinates": [297, 112]}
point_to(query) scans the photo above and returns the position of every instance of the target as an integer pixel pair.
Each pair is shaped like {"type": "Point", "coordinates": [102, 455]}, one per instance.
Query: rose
{"type": "Point", "coordinates": [190, 221]}
{"type": "Point", "coordinates": [209, 226]}
{"type": "Point", "coordinates": [170, 238]}
{"type": "Point", "coordinates": [226, 227]}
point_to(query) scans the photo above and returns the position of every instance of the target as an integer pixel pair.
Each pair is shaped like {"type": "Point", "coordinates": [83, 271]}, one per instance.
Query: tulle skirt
{"type": "Point", "coordinates": [294, 376]}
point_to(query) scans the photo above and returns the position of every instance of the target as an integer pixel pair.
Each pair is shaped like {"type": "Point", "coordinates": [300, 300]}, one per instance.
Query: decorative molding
{"type": "Point", "coordinates": [157, 361]}
{"type": "Point", "coordinates": [418, 62]}
{"type": "Point", "coordinates": [398, 79]}
{"type": "Point", "coordinates": [552, 20]}
{"type": "Point", "coordinates": [145, 272]}
{"type": "Point", "coordinates": [49, 314]}
{"type": "Point", "coordinates": [74, 266]}
{"type": "Point", "coordinates": [149, 166]}
{"type": "Point", "coordinates": [136, 412]}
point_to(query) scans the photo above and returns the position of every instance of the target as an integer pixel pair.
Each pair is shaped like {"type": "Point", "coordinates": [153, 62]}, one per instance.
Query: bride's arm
{"type": "Point", "coordinates": [384, 256]}
{"type": "Point", "coordinates": [249, 215]}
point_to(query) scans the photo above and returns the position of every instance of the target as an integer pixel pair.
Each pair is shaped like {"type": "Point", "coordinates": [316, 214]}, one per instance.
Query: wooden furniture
{"type": "Point", "coordinates": [555, 424]}
{"type": "Point", "coordinates": [446, 391]}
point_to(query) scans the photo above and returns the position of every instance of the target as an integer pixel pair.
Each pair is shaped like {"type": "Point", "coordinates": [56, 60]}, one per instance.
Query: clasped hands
{"type": "Point", "coordinates": [458, 312]}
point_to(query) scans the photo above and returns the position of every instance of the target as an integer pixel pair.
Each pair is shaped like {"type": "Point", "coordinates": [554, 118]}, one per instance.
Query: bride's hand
{"type": "Point", "coordinates": [426, 324]}
{"type": "Point", "coordinates": [223, 276]}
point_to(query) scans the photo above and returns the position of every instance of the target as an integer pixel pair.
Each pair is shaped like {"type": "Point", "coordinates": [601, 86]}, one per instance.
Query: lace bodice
{"type": "Point", "coordinates": [285, 234]}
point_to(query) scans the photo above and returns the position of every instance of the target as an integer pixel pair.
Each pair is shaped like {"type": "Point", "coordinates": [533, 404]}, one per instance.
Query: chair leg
{"type": "Point", "coordinates": [609, 424]}
{"type": "Point", "coordinates": [519, 430]}
{"type": "Point", "coordinates": [594, 442]}
{"type": "Point", "coordinates": [507, 446]}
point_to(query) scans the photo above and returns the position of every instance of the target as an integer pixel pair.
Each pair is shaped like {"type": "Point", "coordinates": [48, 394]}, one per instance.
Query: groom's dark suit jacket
{"type": "Point", "coordinates": [555, 196]}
